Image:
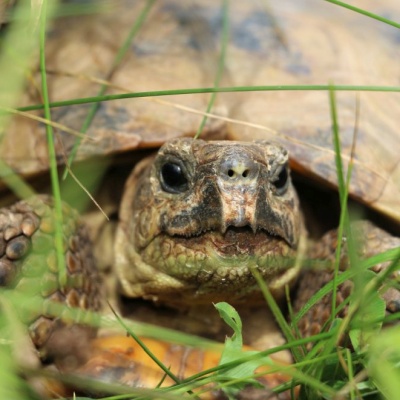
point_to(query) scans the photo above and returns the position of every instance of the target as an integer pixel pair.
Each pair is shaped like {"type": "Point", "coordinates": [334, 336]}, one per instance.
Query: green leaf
{"type": "Point", "coordinates": [231, 317]}
{"type": "Point", "coordinates": [233, 350]}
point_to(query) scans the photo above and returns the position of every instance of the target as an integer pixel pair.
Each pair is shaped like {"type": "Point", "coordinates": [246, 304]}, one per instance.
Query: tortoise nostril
{"type": "Point", "coordinates": [238, 168]}
{"type": "Point", "coordinates": [232, 173]}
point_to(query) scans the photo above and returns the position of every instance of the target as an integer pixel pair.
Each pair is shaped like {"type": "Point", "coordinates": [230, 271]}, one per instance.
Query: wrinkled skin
{"type": "Point", "coordinates": [204, 214]}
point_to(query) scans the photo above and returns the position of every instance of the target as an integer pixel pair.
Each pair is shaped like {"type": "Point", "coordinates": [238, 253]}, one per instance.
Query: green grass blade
{"type": "Point", "coordinates": [389, 255]}
{"type": "Point", "coordinates": [12, 386]}
{"type": "Point", "coordinates": [342, 195]}
{"type": "Point", "coordinates": [364, 12]}
{"type": "Point", "coordinates": [277, 312]}
{"type": "Point", "coordinates": [261, 354]}
{"type": "Point", "coordinates": [17, 45]}
{"type": "Point", "coordinates": [117, 60]}
{"type": "Point", "coordinates": [21, 189]}
{"type": "Point", "coordinates": [384, 362]}
{"type": "Point", "coordinates": [336, 143]}
{"type": "Point", "coordinates": [221, 64]}
{"type": "Point", "coordinates": [233, 89]}
{"type": "Point", "coordinates": [62, 274]}
{"type": "Point", "coordinates": [145, 348]}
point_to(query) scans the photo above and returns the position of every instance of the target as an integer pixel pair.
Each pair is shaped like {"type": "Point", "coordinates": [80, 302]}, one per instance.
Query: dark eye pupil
{"type": "Point", "coordinates": [173, 178]}
{"type": "Point", "coordinates": [280, 183]}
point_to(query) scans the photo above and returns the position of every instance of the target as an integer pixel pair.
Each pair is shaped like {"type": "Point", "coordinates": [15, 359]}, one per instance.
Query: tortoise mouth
{"type": "Point", "coordinates": [228, 231]}
{"type": "Point", "coordinates": [236, 248]}
{"type": "Point", "coordinates": [234, 241]}
{"type": "Point", "coordinates": [216, 264]}
{"type": "Point", "coordinates": [247, 229]}
{"type": "Point", "coordinates": [212, 266]}
{"type": "Point", "coordinates": [242, 241]}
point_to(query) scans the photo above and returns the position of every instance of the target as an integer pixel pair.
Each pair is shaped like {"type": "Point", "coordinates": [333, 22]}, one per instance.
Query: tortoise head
{"type": "Point", "coordinates": [200, 216]}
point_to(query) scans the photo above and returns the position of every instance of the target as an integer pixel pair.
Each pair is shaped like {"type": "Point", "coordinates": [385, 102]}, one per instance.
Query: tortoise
{"type": "Point", "coordinates": [265, 47]}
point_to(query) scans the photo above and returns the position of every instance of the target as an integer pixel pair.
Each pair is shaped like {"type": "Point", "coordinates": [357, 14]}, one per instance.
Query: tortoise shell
{"type": "Point", "coordinates": [178, 46]}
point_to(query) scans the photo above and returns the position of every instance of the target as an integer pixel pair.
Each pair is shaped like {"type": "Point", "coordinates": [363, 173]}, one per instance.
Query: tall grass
{"type": "Point", "coordinates": [327, 371]}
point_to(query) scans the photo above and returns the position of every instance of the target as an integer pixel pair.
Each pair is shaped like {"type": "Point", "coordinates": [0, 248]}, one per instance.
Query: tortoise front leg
{"type": "Point", "coordinates": [370, 240]}
{"type": "Point", "coordinates": [28, 266]}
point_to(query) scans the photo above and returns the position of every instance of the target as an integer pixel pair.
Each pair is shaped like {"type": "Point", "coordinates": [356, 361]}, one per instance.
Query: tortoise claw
{"type": "Point", "coordinates": [28, 263]}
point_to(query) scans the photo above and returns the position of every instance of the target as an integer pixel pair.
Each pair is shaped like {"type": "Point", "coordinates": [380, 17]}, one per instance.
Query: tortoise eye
{"type": "Point", "coordinates": [281, 182]}
{"type": "Point", "coordinates": [173, 178]}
